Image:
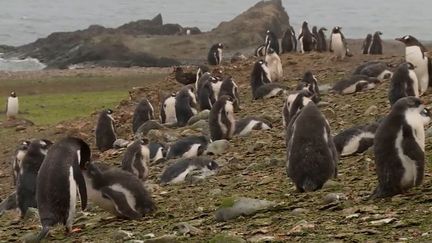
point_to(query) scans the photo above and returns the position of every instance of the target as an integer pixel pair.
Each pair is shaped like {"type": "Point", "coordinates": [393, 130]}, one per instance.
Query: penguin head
{"type": "Point", "coordinates": [144, 141]}
{"type": "Point", "coordinates": [369, 37]}
{"type": "Point", "coordinates": [23, 145]}
{"type": "Point", "coordinates": [39, 146]}
{"type": "Point", "coordinates": [308, 77]}
{"type": "Point", "coordinates": [314, 29]}
{"type": "Point", "coordinates": [13, 94]}
{"type": "Point", "coordinates": [323, 29]}
{"type": "Point", "coordinates": [270, 51]}
{"type": "Point", "coordinates": [409, 65]}
{"type": "Point", "coordinates": [336, 29]}
{"type": "Point", "coordinates": [212, 165]}
{"type": "Point", "coordinates": [408, 40]}
{"type": "Point", "coordinates": [378, 33]}
{"type": "Point", "coordinates": [410, 106]}
{"type": "Point", "coordinates": [109, 111]}
{"type": "Point", "coordinates": [305, 24]}
{"type": "Point", "coordinates": [220, 46]}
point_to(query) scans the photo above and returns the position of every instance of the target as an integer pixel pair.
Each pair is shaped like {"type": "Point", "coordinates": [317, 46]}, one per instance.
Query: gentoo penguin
{"type": "Point", "coordinates": [230, 88]}
{"type": "Point", "coordinates": [289, 41]}
{"type": "Point", "coordinates": [399, 148]}
{"type": "Point", "coordinates": [355, 83]}
{"type": "Point", "coordinates": [338, 44]}
{"type": "Point", "coordinates": [168, 110]}
{"type": "Point", "coordinates": [136, 159]}
{"type": "Point", "coordinates": [260, 51]}
{"type": "Point", "coordinates": [403, 83]}
{"type": "Point", "coordinates": [26, 183]}
{"type": "Point", "coordinates": [311, 154]}
{"type": "Point", "coordinates": [188, 147]}
{"type": "Point", "coordinates": [12, 106]}
{"type": "Point", "coordinates": [214, 56]}
{"type": "Point", "coordinates": [206, 96]}
{"type": "Point", "coordinates": [415, 54]}
{"type": "Point", "coordinates": [356, 139]}
{"type": "Point", "coordinates": [143, 112]}
{"type": "Point", "coordinates": [306, 39]}
{"type": "Point", "coordinates": [260, 75]}
{"type": "Point", "coordinates": [322, 42]}
{"type": "Point", "coordinates": [367, 44]}
{"type": "Point", "coordinates": [200, 71]}
{"type": "Point", "coordinates": [117, 191]}
{"type": "Point", "coordinates": [293, 104]}
{"type": "Point", "coordinates": [185, 105]}
{"type": "Point", "coordinates": [375, 69]}
{"type": "Point", "coordinates": [183, 77]}
{"type": "Point", "coordinates": [157, 151]}
{"type": "Point", "coordinates": [310, 83]}
{"type": "Point", "coordinates": [58, 182]}
{"type": "Point", "coordinates": [105, 131]}
{"type": "Point", "coordinates": [246, 125]}
{"type": "Point", "coordinates": [274, 65]}
{"type": "Point", "coordinates": [271, 41]}
{"type": "Point", "coordinates": [178, 171]}
{"type": "Point", "coordinates": [376, 47]}
{"type": "Point", "coordinates": [17, 159]}
{"type": "Point", "coordinates": [269, 91]}
{"type": "Point", "coordinates": [221, 119]}
{"type": "Point", "coordinates": [315, 35]}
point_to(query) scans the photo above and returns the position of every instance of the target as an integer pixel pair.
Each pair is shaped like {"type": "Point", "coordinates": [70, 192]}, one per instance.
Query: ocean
{"type": "Point", "coordinates": [24, 21]}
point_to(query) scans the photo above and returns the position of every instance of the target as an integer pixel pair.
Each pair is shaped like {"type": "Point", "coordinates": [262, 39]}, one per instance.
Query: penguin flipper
{"type": "Point", "coordinates": [79, 178]}
{"type": "Point", "coordinates": [330, 44]}
{"type": "Point", "coordinates": [121, 203]}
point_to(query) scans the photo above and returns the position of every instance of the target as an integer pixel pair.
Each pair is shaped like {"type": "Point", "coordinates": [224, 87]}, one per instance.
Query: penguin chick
{"type": "Point", "coordinates": [168, 110]}
{"type": "Point", "coordinates": [230, 88]}
{"type": "Point", "coordinates": [293, 105]}
{"type": "Point", "coordinates": [246, 125]}
{"type": "Point", "coordinates": [178, 171]}
{"type": "Point", "coordinates": [310, 83]}
{"type": "Point", "coordinates": [187, 147]}
{"type": "Point", "coordinates": [157, 151]}
{"type": "Point", "coordinates": [355, 140]}
{"type": "Point", "coordinates": [403, 83]}
{"type": "Point", "coordinates": [221, 119]}
{"type": "Point", "coordinates": [17, 159]}
{"type": "Point", "coordinates": [105, 131]}
{"type": "Point", "coordinates": [274, 65]}
{"type": "Point", "coordinates": [143, 112]}
{"type": "Point", "coordinates": [136, 159]}
{"type": "Point", "coordinates": [289, 41]}
{"type": "Point", "coordinates": [260, 75]}
{"type": "Point", "coordinates": [185, 105]}
{"type": "Point", "coordinates": [356, 83]}
{"type": "Point", "coordinates": [375, 69]}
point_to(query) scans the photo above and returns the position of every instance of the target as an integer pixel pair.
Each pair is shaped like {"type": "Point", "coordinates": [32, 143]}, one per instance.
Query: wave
{"type": "Point", "coordinates": [15, 64]}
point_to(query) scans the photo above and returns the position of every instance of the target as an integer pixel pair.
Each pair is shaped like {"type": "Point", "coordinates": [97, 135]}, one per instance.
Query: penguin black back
{"type": "Point", "coordinates": [183, 145]}
{"type": "Point", "coordinates": [260, 76]}
{"type": "Point", "coordinates": [143, 112]}
{"type": "Point", "coordinates": [289, 41]}
{"type": "Point", "coordinates": [322, 42]}
{"type": "Point", "coordinates": [221, 119]}
{"type": "Point", "coordinates": [230, 88]}
{"type": "Point", "coordinates": [376, 47]}
{"type": "Point", "coordinates": [306, 39]}
{"type": "Point", "coordinates": [367, 44]}
{"type": "Point", "coordinates": [185, 105]}
{"type": "Point", "coordinates": [177, 171]}
{"type": "Point", "coordinates": [214, 56]}
{"type": "Point", "coordinates": [105, 131]}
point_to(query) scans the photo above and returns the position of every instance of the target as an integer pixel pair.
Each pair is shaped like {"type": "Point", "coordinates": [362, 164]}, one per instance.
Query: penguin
{"type": "Point", "coordinates": [168, 109]}
{"type": "Point", "coordinates": [415, 54]}
{"type": "Point", "coordinates": [293, 104]}
{"type": "Point", "coordinates": [356, 139]}
{"type": "Point", "coordinates": [375, 69]}
{"type": "Point", "coordinates": [214, 56]}
{"type": "Point", "coordinates": [12, 106]}
{"type": "Point", "coordinates": [17, 159]}
{"type": "Point", "coordinates": [310, 83]}
{"type": "Point", "coordinates": [321, 40]}
{"type": "Point", "coordinates": [367, 44]}
{"type": "Point", "coordinates": [157, 151]}
{"type": "Point", "coordinates": [185, 105]}
{"type": "Point", "coordinates": [260, 51]}
{"type": "Point", "coordinates": [205, 77]}
{"type": "Point", "coordinates": [200, 71]}
{"type": "Point", "coordinates": [355, 83]}
{"type": "Point", "coordinates": [338, 44]}
{"type": "Point", "coordinates": [177, 172]}
{"type": "Point", "coordinates": [230, 88]}
{"type": "Point", "coordinates": [58, 182]}
{"type": "Point", "coordinates": [260, 75]}
{"type": "Point", "coordinates": [143, 112]}
{"type": "Point", "coordinates": [311, 154]}
{"type": "Point", "coordinates": [289, 41]}
{"type": "Point", "coordinates": [205, 95]}
{"type": "Point", "coordinates": [10, 203]}
{"type": "Point", "coordinates": [271, 41]}
{"type": "Point", "coordinates": [221, 119]}
{"type": "Point", "coordinates": [136, 159]}
{"type": "Point", "coordinates": [403, 83]}
{"type": "Point", "coordinates": [188, 147]}
{"type": "Point", "coordinates": [376, 47]}
{"type": "Point", "coordinates": [183, 77]}
{"type": "Point", "coordinates": [246, 125]}
{"type": "Point", "coordinates": [270, 90]}
{"type": "Point", "coordinates": [274, 65]}
{"type": "Point", "coordinates": [315, 35]}
{"type": "Point", "coordinates": [399, 148]}
{"type": "Point", "coordinates": [105, 131]}
{"type": "Point", "coordinates": [26, 183]}
{"type": "Point", "coordinates": [306, 39]}
{"type": "Point", "coordinates": [117, 191]}
{"type": "Point", "coordinates": [215, 84]}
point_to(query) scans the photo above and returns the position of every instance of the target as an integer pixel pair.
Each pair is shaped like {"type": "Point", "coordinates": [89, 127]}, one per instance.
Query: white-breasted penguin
{"type": "Point", "coordinates": [311, 154]}
{"type": "Point", "coordinates": [289, 41]}
{"type": "Point", "coordinates": [274, 65]}
{"type": "Point", "coordinates": [200, 71]}
{"type": "Point", "coordinates": [306, 39]}
{"type": "Point", "coordinates": [136, 159]}
{"type": "Point", "coordinates": [214, 56]}
{"type": "Point", "coordinates": [185, 105]}
{"type": "Point", "coordinates": [105, 131]}
{"type": "Point", "coordinates": [117, 191]}
{"type": "Point", "coordinates": [355, 140]}
{"type": "Point", "coordinates": [355, 83]}
{"type": "Point", "coordinates": [261, 82]}
{"type": "Point", "coordinates": [168, 109]}
{"type": "Point", "coordinates": [260, 50]}
{"type": "Point", "coordinates": [177, 172]}
{"type": "Point", "coordinates": [367, 44]}
{"type": "Point", "coordinates": [271, 41]}
{"type": "Point", "coordinates": [18, 157]}
{"type": "Point", "coordinates": [415, 53]}
{"type": "Point", "coordinates": [375, 69]}
{"type": "Point", "coordinates": [12, 106]}
{"type": "Point", "coordinates": [376, 47]}
{"type": "Point", "coordinates": [58, 182]}
{"type": "Point", "coordinates": [26, 183]}
{"type": "Point", "coordinates": [157, 151]}
{"type": "Point", "coordinates": [143, 112]}
{"type": "Point", "coordinates": [338, 44]}
{"type": "Point", "coordinates": [403, 83]}
{"type": "Point", "coordinates": [321, 41]}
{"type": "Point", "coordinates": [246, 125]}
{"type": "Point", "coordinates": [221, 119]}
{"type": "Point", "coordinates": [230, 88]}
{"type": "Point", "coordinates": [399, 148]}
{"type": "Point", "coordinates": [188, 147]}
{"type": "Point", "coordinates": [310, 83]}
{"type": "Point", "coordinates": [293, 104]}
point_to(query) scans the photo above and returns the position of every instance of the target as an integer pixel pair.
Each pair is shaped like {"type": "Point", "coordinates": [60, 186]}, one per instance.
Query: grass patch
{"type": "Point", "coordinates": [53, 108]}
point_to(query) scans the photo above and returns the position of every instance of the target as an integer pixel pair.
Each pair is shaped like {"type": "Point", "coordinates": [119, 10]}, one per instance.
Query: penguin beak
{"type": "Point", "coordinates": [399, 39]}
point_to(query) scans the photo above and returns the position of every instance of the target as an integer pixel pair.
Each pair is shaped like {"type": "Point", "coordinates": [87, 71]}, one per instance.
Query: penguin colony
{"type": "Point", "coordinates": [49, 176]}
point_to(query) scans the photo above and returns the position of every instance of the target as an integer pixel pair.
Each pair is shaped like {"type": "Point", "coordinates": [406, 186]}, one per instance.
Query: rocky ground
{"type": "Point", "coordinates": [253, 167]}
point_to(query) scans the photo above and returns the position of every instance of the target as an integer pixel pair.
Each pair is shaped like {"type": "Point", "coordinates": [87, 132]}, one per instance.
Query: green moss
{"type": "Point", "coordinates": [227, 202]}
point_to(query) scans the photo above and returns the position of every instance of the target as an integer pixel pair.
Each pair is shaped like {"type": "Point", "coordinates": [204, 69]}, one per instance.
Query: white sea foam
{"type": "Point", "coordinates": [14, 64]}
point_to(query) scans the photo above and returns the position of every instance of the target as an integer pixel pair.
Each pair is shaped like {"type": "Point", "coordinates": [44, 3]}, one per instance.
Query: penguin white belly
{"type": "Point", "coordinates": [414, 55]}
{"type": "Point", "coordinates": [273, 93]}
{"type": "Point", "coordinates": [410, 168]}
{"type": "Point", "coordinates": [349, 90]}
{"type": "Point", "coordinates": [193, 151]}
{"type": "Point", "coordinates": [216, 89]}
{"type": "Point", "coordinates": [159, 155]}
{"type": "Point", "coordinates": [170, 110]}
{"type": "Point", "coordinates": [229, 108]}
{"type": "Point", "coordinates": [219, 53]}
{"type": "Point", "coordinates": [248, 128]}
{"type": "Point", "coordinates": [301, 45]}
{"type": "Point", "coordinates": [338, 45]}
{"type": "Point", "coordinates": [12, 107]}
{"type": "Point", "coordinates": [385, 74]}
{"type": "Point", "coordinates": [72, 199]}
{"type": "Point", "coordinates": [417, 122]}
{"type": "Point", "coordinates": [130, 199]}
{"type": "Point", "coordinates": [413, 77]}
{"type": "Point", "coordinates": [181, 177]}
{"type": "Point", "coordinates": [96, 197]}
{"type": "Point", "coordinates": [353, 144]}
